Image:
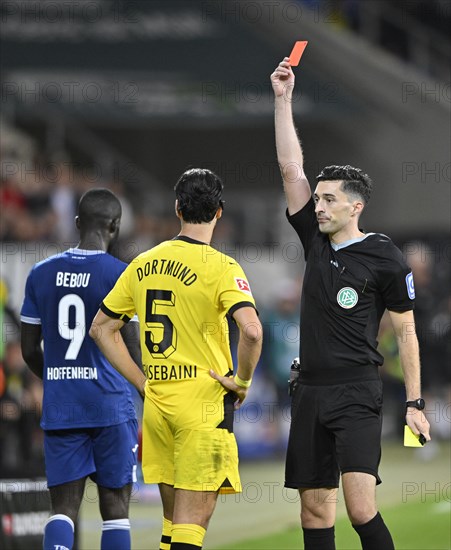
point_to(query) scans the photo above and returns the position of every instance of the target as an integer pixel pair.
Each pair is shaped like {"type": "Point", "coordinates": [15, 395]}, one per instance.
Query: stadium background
{"type": "Point", "coordinates": [129, 94]}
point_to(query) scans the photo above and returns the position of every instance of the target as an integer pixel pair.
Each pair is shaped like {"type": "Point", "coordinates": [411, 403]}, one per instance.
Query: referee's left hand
{"type": "Point", "coordinates": [417, 422]}
{"type": "Point", "coordinates": [228, 383]}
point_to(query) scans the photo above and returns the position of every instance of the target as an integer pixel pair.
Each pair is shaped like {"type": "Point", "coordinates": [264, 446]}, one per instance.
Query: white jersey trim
{"type": "Point", "coordinates": [82, 252]}
{"type": "Point", "coordinates": [30, 320]}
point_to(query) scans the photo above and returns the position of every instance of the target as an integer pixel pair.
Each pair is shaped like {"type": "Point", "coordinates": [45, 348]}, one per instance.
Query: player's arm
{"type": "Point", "coordinates": [130, 335]}
{"type": "Point", "coordinates": [409, 354]}
{"type": "Point", "coordinates": [249, 350]}
{"type": "Point", "coordinates": [105, 331]}
{"type": "Point", "coordinates": [30, 342]}
{"type": "Point", "coordinates": [289, 150]}
{"type": "Point", "coordinates": [250, 341]}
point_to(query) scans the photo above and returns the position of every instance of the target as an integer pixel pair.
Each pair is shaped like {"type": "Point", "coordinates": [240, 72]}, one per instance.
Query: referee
{"type": "Point", "coordinates": [350, 279]}
{"type": "Point", "coordinates": [182, 291]}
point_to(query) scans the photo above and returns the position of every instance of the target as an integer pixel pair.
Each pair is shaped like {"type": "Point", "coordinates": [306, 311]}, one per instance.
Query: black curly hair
{"type": "Point", "coordinates": [199, 195]}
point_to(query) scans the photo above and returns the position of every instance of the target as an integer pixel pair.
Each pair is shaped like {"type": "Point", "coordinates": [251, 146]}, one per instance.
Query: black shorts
{"type": "Point", "coordinates": [334, 428]}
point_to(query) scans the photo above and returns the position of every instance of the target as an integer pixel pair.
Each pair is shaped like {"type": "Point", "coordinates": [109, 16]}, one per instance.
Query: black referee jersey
{"type": "Point", "coordinates": [346, 289]}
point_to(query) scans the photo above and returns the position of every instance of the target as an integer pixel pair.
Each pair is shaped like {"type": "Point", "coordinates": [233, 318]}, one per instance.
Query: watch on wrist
{"type": "Point", "coordinates": [416, 404]}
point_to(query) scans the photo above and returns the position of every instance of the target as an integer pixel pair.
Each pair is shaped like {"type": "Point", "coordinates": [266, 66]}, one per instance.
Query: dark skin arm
{"type": "Point", "coordinates": [30, 341]}
{"type": "Point", "coordinates": [130, 335]}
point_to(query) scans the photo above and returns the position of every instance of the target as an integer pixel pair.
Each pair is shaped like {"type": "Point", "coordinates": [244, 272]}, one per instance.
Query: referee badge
{"type": "Point", "coordinates": [347, 297]}
{"type": "Point", "coordinates": [410, 286]}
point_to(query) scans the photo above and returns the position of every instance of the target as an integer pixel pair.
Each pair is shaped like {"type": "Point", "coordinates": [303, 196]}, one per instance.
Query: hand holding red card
{"type": "Point", "coordinates": [296, 54]}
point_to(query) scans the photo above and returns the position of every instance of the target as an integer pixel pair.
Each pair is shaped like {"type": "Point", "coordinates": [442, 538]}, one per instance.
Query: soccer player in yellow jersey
{"type": "Point", "coordinates": [182, 290]}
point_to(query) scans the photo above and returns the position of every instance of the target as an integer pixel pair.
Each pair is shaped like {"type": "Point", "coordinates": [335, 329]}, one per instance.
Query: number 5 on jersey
{"type": "Point", "coordinates": [161, 338]}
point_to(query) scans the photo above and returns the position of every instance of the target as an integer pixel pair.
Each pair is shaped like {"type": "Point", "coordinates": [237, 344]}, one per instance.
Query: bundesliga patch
{"type": "Point", "coordinates": [243, 285]}
{"type": "Point", "coordinates": [347, 297]}
{"type": "Point", "coordinates": [410, 286]}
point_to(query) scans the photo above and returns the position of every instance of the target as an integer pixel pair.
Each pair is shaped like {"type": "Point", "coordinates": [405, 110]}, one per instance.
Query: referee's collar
{"type": "Point", "coordinates": [348, 243]}
{"type": "Point", "coordinates": [188, 240]}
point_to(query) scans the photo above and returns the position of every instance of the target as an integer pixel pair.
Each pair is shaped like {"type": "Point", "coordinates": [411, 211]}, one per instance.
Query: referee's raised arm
{"type": "Point", "coordinates": [289, 150]}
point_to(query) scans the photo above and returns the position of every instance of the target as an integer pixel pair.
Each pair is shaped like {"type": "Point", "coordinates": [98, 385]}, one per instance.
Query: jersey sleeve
{"type": "Point", "coordinates": [396, 281]}
{"type": "Point", "coordinates": [30, 311]}
{"type": "Point", "coordinates": [305, 224]}
{"type": "Point", "coordinates": [234, 290]}
{"type": "Point", "coordinates": [119, 303]}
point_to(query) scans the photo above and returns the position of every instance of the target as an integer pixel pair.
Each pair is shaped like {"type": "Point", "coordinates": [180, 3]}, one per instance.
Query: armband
{"type": "Point", "coordinates": [242, 383]}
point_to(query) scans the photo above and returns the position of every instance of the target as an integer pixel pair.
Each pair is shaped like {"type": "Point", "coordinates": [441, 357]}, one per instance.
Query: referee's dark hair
{"type": "Point", "coordinates": [355, 181]}
{"type": "Point", "coordinates": [198, 193]}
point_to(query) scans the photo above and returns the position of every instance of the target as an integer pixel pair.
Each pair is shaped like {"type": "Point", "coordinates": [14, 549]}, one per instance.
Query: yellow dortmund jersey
{"type": "Point", "coordinates": [181, 291]}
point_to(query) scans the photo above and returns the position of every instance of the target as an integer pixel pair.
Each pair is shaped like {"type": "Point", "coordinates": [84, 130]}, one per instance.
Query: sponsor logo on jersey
{"type": "Point", "coordinates": [243, 285]}
{"type": "Point", "coordinates": [410, 286]}
{"type": "Point", "coordinates": [347, 297]}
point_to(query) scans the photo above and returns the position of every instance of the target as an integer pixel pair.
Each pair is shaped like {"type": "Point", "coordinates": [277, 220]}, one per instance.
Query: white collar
{"type": "Point", "coordinates": [82, 252]}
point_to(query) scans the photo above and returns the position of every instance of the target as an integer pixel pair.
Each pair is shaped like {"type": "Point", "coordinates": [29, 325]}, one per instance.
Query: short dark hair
{"type": "Point", "coordinates": [98, 207]}
{"type": "Point", "coordinates": [355, 181]}
{"type": "Point", "coordinates": [199, 193]}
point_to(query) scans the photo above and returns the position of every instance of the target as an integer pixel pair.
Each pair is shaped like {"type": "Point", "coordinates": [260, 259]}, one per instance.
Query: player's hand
{"type": "Point", "coordinates": [282, 79]}
{"type": "Point", "coordinates": [417, 422]}
{"type": "Point", "coordinates": [228, 383]}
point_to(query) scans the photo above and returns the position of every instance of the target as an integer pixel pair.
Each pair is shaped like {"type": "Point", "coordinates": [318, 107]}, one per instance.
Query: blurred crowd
{"type": "Point", "coordinates": [39, 198]}
{"type": "Point", "coordinates": [21, 439]}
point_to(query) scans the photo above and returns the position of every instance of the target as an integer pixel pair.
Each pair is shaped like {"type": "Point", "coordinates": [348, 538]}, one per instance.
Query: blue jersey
{"type": "Point", "coordinates": [63, 294]}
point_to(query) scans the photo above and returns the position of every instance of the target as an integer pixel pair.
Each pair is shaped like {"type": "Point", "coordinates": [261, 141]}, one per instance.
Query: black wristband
{"type": "Point", "coordinates": [416, 404]}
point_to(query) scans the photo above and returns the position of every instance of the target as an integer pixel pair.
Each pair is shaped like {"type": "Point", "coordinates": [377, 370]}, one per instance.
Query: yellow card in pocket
{"type": "Point", "coordinates": [410, 439]}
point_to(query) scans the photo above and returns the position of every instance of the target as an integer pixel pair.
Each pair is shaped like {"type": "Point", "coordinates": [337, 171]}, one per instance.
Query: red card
{"type": "Point", "coordinates": [298, 50]}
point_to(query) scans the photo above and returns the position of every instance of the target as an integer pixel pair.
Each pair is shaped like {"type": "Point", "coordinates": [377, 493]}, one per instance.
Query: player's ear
{"type": "Point", "coordinates": [77, 222]}
{"type": "Point", "coordinates": [177, 209]}
{"type": "Point", "coordinates": [114, 226]}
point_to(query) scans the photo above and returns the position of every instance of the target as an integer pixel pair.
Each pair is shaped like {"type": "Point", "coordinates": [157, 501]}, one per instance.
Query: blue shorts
{"type": "Point", "coordinates": [108, 455]}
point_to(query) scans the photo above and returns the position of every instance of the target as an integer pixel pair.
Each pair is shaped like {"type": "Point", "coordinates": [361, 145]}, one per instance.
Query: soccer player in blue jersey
{"type": "Point", "coordinates": [88, 415]}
